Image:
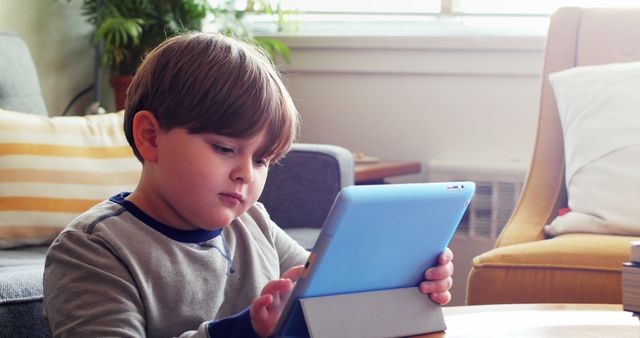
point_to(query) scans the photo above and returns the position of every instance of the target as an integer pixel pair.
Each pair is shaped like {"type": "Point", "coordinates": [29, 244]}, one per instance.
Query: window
{"type": "Point", "coordinates": [526, 7]}
{"type": "Point", "coordinates": [363, 6]}
{"type": "Point", "coordinates": [453, 7]}
{"type": "Point", "coordinates": [425, 17]}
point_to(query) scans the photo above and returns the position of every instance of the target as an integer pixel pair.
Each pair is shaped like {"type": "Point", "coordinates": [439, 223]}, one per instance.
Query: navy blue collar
{"type": "Point", "coordinates": [194, 236]}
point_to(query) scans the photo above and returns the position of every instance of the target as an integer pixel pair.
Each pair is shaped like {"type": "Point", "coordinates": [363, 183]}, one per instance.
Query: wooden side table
{"type": "Point", "coordinates": [377, 172]}
{"type": "Point", "coordinates": [538, 321]}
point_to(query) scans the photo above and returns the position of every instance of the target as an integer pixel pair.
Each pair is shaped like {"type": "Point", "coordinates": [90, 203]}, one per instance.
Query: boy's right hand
{"type": "Point", "coordinates": [267, 308]}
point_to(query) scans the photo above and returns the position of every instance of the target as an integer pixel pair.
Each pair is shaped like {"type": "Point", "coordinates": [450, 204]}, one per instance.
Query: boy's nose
{"type": "Point", "coordinates": [243, 171]}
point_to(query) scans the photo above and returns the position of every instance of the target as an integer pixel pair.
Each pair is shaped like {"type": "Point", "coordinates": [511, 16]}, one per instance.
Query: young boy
{"type": "Point", "coordinates": [190, 252]}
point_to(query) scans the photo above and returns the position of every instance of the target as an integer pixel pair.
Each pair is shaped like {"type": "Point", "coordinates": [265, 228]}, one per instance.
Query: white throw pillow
{"type": "Point", "coordinates": [599, 109]}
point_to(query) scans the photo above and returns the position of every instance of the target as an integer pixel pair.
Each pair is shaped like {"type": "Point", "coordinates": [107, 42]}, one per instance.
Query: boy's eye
{"type": "Point", "coordinates": [262, 162]}
{"type": "Point", "coordinates": [222, 149]}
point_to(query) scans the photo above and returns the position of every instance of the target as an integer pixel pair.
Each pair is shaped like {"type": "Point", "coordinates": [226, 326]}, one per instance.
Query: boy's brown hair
{"type": "Point", "coordinates": [209, 83]}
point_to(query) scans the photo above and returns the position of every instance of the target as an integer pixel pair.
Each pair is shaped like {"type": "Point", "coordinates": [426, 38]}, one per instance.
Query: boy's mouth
{"type": "Point", "coordinates": [232, 198]}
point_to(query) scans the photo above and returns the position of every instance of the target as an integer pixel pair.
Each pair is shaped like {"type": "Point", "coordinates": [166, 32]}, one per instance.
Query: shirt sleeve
{"type": "Point", "coordinates": [238, 326]}
{"type": "Point", "coordinates": [88, 291]}
{"type": "Point", "coordinates": [289, 251]}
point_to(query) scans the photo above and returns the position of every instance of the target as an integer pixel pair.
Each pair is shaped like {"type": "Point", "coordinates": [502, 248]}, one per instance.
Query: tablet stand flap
{"type": "Point", "coordinates": [386, 313]}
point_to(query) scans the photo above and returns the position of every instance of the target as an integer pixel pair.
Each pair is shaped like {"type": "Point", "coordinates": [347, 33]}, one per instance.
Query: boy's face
{"type": "Point", "coordinates": [204, 181]}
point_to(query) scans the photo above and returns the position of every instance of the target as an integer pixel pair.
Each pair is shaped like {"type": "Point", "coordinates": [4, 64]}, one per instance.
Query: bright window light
{"type": "Point", "coordinates": [527, 7]}
{"type": "Point", "coordinates": [420, 17]}
{"type": "Point", "coordinates": [363, 6]}
{"type": "Point", "coordinates": [482, 7]}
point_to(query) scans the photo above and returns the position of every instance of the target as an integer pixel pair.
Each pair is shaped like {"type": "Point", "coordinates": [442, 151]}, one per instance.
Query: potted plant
{"type": "Point", "coordinates": [124, 30]}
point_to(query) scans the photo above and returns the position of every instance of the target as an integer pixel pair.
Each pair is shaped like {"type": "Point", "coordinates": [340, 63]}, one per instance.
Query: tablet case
{"type": "Point", "coordinates": [376, 238]}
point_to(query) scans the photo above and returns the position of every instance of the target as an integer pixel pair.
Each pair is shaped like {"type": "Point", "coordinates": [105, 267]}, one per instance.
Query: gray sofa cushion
{"type": "Point", "coordinates": [19, 86]}
{"type": "Point", "coordinates": [21, 292]}
{"type": "Point", "coordinates": [306, 237]}
{"type": "Point", "coordinates": [21, 274]}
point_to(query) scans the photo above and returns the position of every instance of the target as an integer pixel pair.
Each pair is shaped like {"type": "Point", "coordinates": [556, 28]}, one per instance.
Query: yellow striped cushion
{"type": "Point", "coordinates": [52, 169]}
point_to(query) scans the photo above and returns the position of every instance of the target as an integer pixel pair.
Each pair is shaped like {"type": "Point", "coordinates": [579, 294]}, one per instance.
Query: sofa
{"type": "Point", "coordinates": [540, 256]}
{"type": "Point", "coordinates": [299, 193]}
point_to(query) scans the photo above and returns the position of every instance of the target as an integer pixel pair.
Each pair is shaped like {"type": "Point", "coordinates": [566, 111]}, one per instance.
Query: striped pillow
{"type": "Point", "coordinates": [52, 169]}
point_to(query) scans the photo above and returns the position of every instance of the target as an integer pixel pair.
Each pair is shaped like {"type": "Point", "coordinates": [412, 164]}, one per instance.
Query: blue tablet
{"type": "Point", "coordinates": [377, 237]}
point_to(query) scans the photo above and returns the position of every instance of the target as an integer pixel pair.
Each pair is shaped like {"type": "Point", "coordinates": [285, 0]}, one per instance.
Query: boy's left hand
{"type": "Point", "coordinates": [438, 279]}
{"type": "Point", "coordinates": [267, 308]}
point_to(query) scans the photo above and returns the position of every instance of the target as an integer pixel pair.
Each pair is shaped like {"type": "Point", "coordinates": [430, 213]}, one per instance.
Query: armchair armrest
{"type": "Point", "coordinates": [544, 190]}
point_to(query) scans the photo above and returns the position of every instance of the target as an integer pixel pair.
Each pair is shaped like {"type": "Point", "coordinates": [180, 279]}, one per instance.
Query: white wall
{"type": "Point", "coordinates": [419, 98]}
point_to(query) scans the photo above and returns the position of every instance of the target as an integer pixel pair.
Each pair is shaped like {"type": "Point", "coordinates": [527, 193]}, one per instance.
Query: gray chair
{"type": "Point", "coordinates": [299, 193]}
{"type": "Point", "coordinates": [300, 190]}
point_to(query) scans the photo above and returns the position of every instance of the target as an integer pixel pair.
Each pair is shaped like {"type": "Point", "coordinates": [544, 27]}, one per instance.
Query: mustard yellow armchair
{"type": "Point", "coordinates": [524, 267]}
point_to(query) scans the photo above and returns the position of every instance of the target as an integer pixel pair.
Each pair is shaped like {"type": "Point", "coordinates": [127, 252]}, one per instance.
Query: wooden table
{"type": "Point", "coordinates": [538, 320]}
{"type": "Point", "coordinates": [377, 172]}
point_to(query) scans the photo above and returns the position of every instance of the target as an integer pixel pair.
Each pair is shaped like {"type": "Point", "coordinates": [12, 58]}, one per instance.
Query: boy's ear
{"type": "Point", "coordinates": [145, 134]}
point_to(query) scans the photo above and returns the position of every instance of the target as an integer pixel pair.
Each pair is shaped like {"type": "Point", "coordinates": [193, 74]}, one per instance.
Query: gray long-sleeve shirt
{"type": "Point", "coordinates": [114, 271]}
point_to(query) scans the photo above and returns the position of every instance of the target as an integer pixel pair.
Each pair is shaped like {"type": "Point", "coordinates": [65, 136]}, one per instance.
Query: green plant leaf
{"type": "Point", "coordinates": [130, 28]}
{"type": "Point", "coordinates": [274, 47]}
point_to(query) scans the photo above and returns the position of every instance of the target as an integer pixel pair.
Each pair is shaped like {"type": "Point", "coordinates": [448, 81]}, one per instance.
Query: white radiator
{"type": "Point", "coordinates": [498, 187]}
